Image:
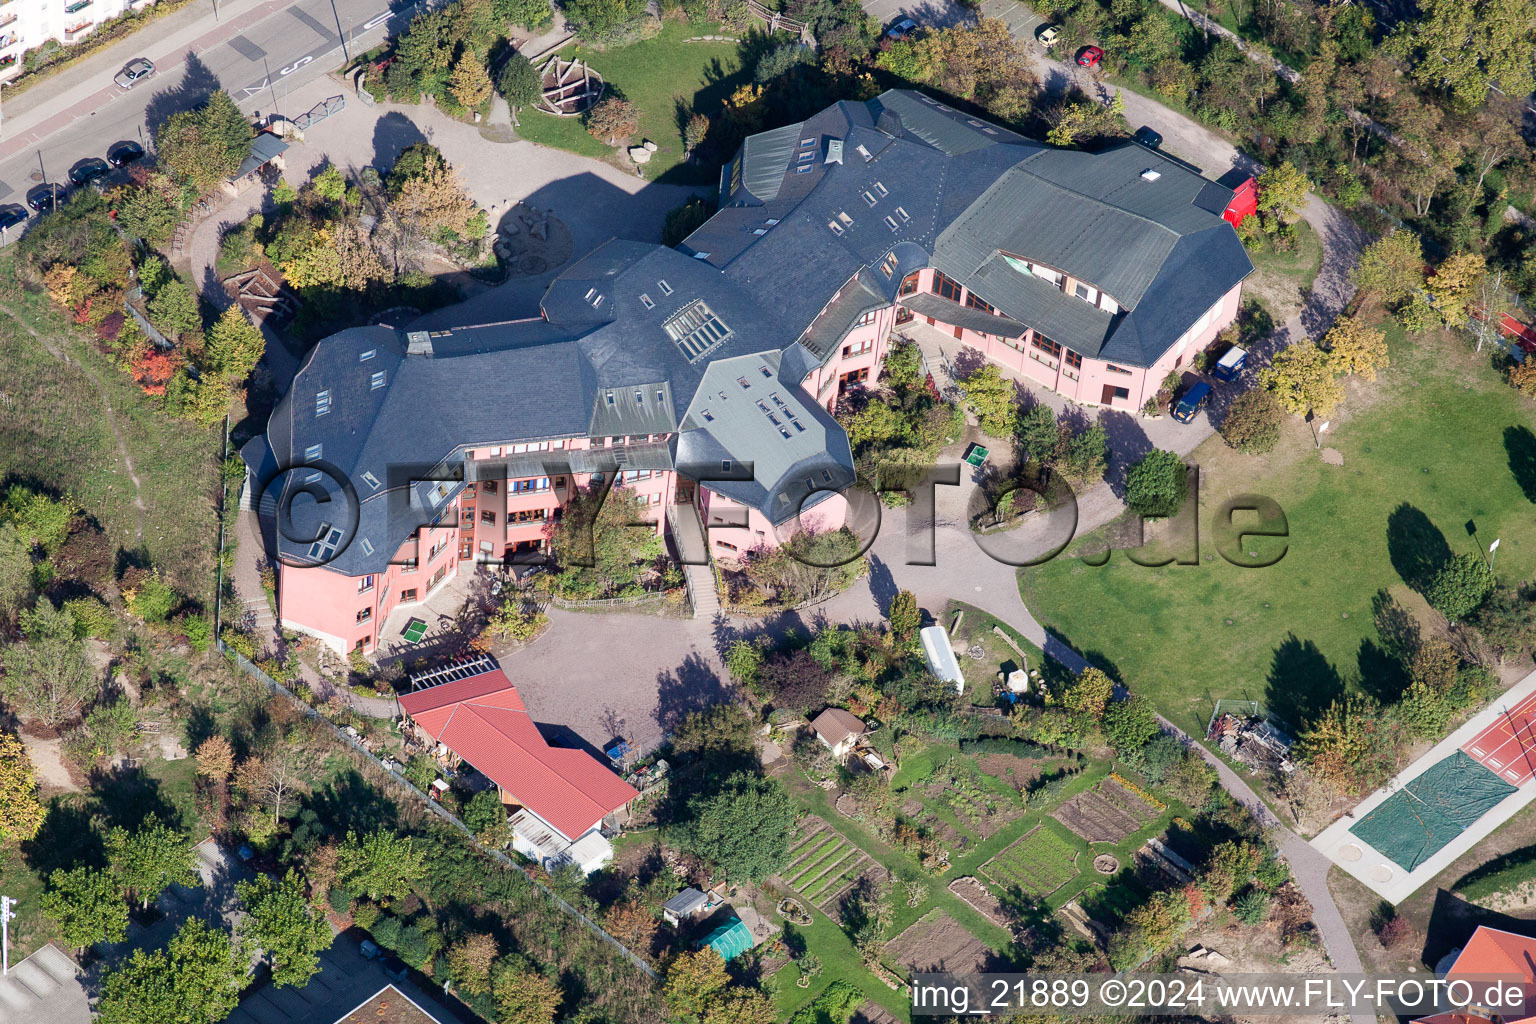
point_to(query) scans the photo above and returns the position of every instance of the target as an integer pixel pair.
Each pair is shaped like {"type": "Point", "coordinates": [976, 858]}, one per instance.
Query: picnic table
{"type": "Point", "coordinates": [976, 455]}
{"type": "Point", "coordinates": [414, 630]}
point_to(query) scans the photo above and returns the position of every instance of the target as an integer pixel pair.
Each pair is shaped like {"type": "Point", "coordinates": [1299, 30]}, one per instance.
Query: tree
{"type": "Point", "coordinates": [533, 14]}
{"type": "Point", "coordinates": [743, 658]}
{"type": "Point", "coordinates": [1423, 711]}
{"type": "Point", "coordinates": [15, 571]}
{"type": "Point", "coordinates": [87, 906]}
{"type": "Point", "coordinates": [743, 827]}
{"type": "Point", "coordinates": [1391, 268]}
{"type": "Point", "coordinates": [470, 960]}
{"type": "Point", "coordinates": [1460, 586]}
{"type": "Point", "coordinates": [795, 681]}
{"type": "Point", "coordinates": [695, 131]}
{"type": "Point", "coordinates": [282, 769]}
{"type": "Point", "coordinates": [524, 995]}
{"type": "Point", "coordinates": [196, 979]}
{"type": "Point", "coordinates": [519, 83]}
{"type": "Point", "coordinates": [434, 201]}
{"type": "Point", "coordinates": [206, 145]}
{"type": "Point", "coordinates": [611, 119]}
{"type": "Point", "coordinates": [1463, 47]}
{"type": "Point", "coordinates": [1354, 348]}
{"type": "Point", "coordinates": [144, 863]}
{"type": "Point", "coordinates": [605, 538]}
{"type": "Point", "coordinates": [1455, 285]}
{"type": "Point", "coordinates": [632, 923]}
{"type": "Point", "coordinates": [415, 161]}
{"type": "Point", "coordinates": [1130, 724]}
{"type": "Point", "coordinates": [381, 865]}
{"type": "Point", "coordinates": [1080, 121]}
{"type": "Point", "coordinates": [215, 759]}
{"type": "Point", "coordinates": [739, 1005]}
{"type": "Point", "coordinates": [906, 617]}
{"type": "Point", "coordinates": [235, 345]}
{"type": "Point", "coordinates": [1252, 422]}
{"type": "Point", "coordinates": [285, 926]}
{"type": "Point", "coordinates": [470, 83]}
{"type": "Point", "coordinates": [1302, 379]}
{"type": "Point", "coordinates": [1283, 192]}
{"type": "Point", "coordinates": [694, 979]}
{"type": "Point", "coordinates": [686, 219]}
{"type": "Point", "coordinates": [1345, 746]}
{"type": "Point", "coordinates": [720, 735]}
{"type": "Point", "coordinates": [1156, 486]}
{"type": "Point", "coordinates": [1089, 694]}
{"type": "Point", "coordinates": [174, 310]}
{"type": "Point", "coordinates": [147, 212]}
{"type": "Point", "coordinates": [995, 399]}
{"type": "Point", "coordinates": [1435, 664]}
{"type": "Point", "coordinates": [21, 813]}
{"type": "Point", "coordinates": [48, 677]}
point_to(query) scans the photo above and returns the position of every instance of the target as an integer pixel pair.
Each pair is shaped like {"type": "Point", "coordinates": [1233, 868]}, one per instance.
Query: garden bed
{"type": "Point", "coordinates": [824, 865]}
{"type": "Point", "coordinates": [1105, 814]}
{"type": "Point", "coordinates": [1041, 862]}
{"type": "Point", "coordinates": [981, 900]}
{"type": "Point", "coordinates": [939, 943]}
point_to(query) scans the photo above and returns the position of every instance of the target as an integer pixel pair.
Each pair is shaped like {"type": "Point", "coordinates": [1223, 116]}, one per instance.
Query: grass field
{"type": "Point", "coordinates": [1437, 443]}
{"type": "Point", "coordinates": [1041, 863]}
{"type": "Point", "coordinates": [56, 433]}
{"type": "Point", "coordinates": [667, 79]}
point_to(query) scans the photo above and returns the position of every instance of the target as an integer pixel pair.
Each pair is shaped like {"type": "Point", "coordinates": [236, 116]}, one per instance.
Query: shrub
{"type": "Point", "coordinates": [686, 219]}
{"type": "Point", "coordinates": [1522, 377]}
{"type": "Point", "coordinates": [1156, 486]}
{"type": "Point", "coordinates": [611, 119]}
{"type": "Point", "coordinates": [1130, 724]}
{"type": "Point", "coordinates": [92, 617]}
{"type": "Point", "coordinates": [1460, 586]}
{"type": "Point", "coordinates": [1252, 422]}
{"type": "Point", "coordinates": [198, 631]}
{"type": "Point", "coordinates": [152, 600]}
{"type": "Point", "coordinates": [1252, 907]}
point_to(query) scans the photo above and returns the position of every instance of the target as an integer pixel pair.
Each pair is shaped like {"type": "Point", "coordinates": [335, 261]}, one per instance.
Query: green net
{"type": "Point", "coordinates": [1414, 823]}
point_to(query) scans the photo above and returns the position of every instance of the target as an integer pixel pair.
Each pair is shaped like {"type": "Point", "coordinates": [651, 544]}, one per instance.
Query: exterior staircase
{"type": "Point", "coordinates": [688, 535]}
{"type": "Point", "coordinates": [702, 592]}
{"type": "Point", "coordinates": [43, 987]}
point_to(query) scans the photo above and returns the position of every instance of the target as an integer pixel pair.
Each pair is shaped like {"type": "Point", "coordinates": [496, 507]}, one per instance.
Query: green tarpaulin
{"type": "Point", "coordinates": [1412, 825]}
{"type": "Point", "coordinates": [729, 940]}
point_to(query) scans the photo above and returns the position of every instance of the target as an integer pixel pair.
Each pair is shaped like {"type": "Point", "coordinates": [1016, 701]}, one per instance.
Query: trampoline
{"type": "Point", "coordinates": [1417, 821]}
{"type": "Point", "coordinates": [1506, 747]}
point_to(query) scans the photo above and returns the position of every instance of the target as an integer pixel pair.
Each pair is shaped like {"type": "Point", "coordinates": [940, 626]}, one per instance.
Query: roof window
{"type": "Point", "coordinates": [837, 229]}
{"type": "Point", "coordinates": [725, 465]}
{"type": "Point", "coordinates": [803, 169]}
{"type": "Point", "coordinates": [372, 481]}
{"type": "Point", "coordinates": [701, 255]}
{"type": "Point", "coordinates": [771, 221]}
{"type": "Point", "coordinates": [661, 396]}
{"type": "Point", "coordinates": [826, 475]}
{"type": "Point", "coordinates": [666, 289]}
{"type": "Point", "coordinates": [759, 231]}
{"type": "Point", "coordinates": [807, 156]}
{"type": "Point", "coordinates": [366, 545]}
{"type": "Point", "coordinates": [869, 197]}
{"type": "Point", "coordinates": [743, 382]}
{"type": "Point", "coordinates": [326, 546]}
{"type": "Point", "coordinates": [377, 381]}
{"type": "Point", "coordinates": [365, 356]}
{"type": "Point", "coordinates": [865, 153]}
{"type": "Point", "coordinates": [695, 329]}
{"type": "Point", "coordinates": [322, 402]}
{"type": "Point", "coordinates": [847, 220]}
{"type": "Point", "coordinates": [1150, 175]}
{"type": "Point", "coordinates": [610, 398]}
{"type": "Point", "coordinates": [312, 452]}
{"type": "Point", "coordinates": [764, 370]}
{"type": "Point", "coordinates": [639, 397]}
{"type": "Point", "coordinates": [807, 142]}
{"type": "Point", "coordinates": [797, 426]}
{"type": "Point", "coordinates": [881, 190]}
{"type": "Point", "coordinates": [890, 222]}
{"type": "Point", "coordinates": [645, 300]}
{"type": "Point", "coordinates": [901, 212]}
{"type": "Point", "coordinates": [709, 417]}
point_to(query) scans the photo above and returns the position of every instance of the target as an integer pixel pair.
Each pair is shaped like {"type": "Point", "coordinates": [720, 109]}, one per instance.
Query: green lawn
{"type": "Point", "coordinates": [1424, 453]}
{"type": "Point", "coordinates": [55, 432]}
{"type": "Point", "coordinates": [1280, 278]}
{"type": "Point", "coordinates": [668, 79]}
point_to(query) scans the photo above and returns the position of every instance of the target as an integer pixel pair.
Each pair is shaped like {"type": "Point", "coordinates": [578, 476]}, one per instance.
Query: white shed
{"type": "Point", "coordinates": [941, 657]}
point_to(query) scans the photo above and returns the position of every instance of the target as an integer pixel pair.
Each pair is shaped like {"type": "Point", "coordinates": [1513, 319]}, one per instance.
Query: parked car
{"type": "Point", "coordinates": [370, 949]}
{"type": "Point", "coordinates": [1193, 400]}
{"type": "Point", "coordinates": [134, 72]}
{"type": "Point", "coordinates": [1089, 57]}
{"type": "Point", "coordinates": [44, 198]}
{"type": "Point", "coordinates": [124, 153]}
{"type": "Point", "coordinates": [1148, 137]}
{"type": "Point", "coordinates": [12, 214]}
{"type": "Point", "coordinates": [1046, 35]}
{"type": "Point", "coordinates": [901, 29]}
{"type": "Point", "coordinates": [1230, 365]}
{"type": "Point", "coordinates": [87, 171]}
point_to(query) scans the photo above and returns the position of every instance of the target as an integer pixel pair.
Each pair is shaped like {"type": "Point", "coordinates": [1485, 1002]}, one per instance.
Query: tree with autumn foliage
{"type": "Point", "coordinates": [1355, 349]}
{"type": "Point", "coordinates": [21, 812]}
{"type": "Point", "coordinates": [611, 119]}
{"type": "Point", "coordinates": [1347, 746]}
{"type": "Point", "coordinates": [1455, 284]}
{"type": "Point", "coordinates": [434, 201]}
{"type": "Point", "coordinates": [523, 995]}
{"type": "Point", "coordinates": [632, 923]}
{"type": "Point", "coordinates": [1303, 379]}
{"type": "Point", "coordinates": [470, 961]}
{"type": "Point", "coordinates": [470, 83]}
{"type": "Point", "coordinates": [693, 981]}
{"type": "Point", "coordinates": [1391, 268]}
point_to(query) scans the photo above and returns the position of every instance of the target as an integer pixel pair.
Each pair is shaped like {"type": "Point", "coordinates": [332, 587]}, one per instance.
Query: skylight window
{"type": "Point", "coordinates": [837, 229]}
{"type": "Point", "coordinates": [807, 155]}
{"type": "Point", "coordinates": [326, 546]}
{"type": "Point", "coordinates": [803, 169]}
{"type": "Point", "coordinates": [312, 452]}
{"type": "Point", "coordinates": [890, 222]}
{"type": "Point", "coordinates": [590, 293]}
{"type": "Point", "coordinates": [695, 329]}
{"type": "Point", "coordinates": [776, 399]}
{"type": "Point", "coordinates": [372, 481]}
{"type": "Point", "coordinates": [377, 381]}
{"type": "Point", "coordinates": [701, 255]}
{"type": "Point", "coordinates": [743, 382]}
{"type": "Point", "coordinates": [847, 220]}
{"type": "Point", "coordinates": [902, 213]}
{"type": "Point", "coordinates": [764, 370]}
{"type": "Point", "coordinates": [364, 357]}
{"type": "Point", "coordinates": [771, 221]}
{"type": "Point", "coordinates": [759, 231]}
{"type": "Point", "coordinates": [709, 417]}
{"type": "Point", "coordinates": [807, 142]}
{"type": "Point", "coordinates": [881, 190]}
{"type": "Point", "coordinates": [645, 300]}
{"type": "Point", "coordinates": [666, 289]}
{"type": "Point", "coordinates": [366, 545]}
{"type": "Point", "coordinates": [826, 475]}
{"type": "Point", "coordinates": [869, 197]}
{"type": "Point", "coordinates": [322, 402]}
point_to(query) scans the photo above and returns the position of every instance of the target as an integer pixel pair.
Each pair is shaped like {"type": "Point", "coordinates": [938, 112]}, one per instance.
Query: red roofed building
{"type": "Point", "coordinates": [1493, 953]}
{"type": "Point", "coordinates": [557, 798]}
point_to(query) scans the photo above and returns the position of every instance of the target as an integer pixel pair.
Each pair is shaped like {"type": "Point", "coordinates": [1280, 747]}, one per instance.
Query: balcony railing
{"type": "Point", "coordinates": [6, 19]}
{"type": "Point", "coordinates": [72, 32]}
{"type": "Point", "coordinates": [78, 5]}
{"type": "Point", "coordinates": [9, 39]}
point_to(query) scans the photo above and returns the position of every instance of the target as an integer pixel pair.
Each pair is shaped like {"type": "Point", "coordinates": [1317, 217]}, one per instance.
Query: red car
{"type": "Point", "coordinates": [1089, 56]}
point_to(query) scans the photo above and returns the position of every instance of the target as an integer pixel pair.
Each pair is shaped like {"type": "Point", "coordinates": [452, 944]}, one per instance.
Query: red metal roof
{"type": "Point", "coordinates": [484, 721]}
{"type": "Point", "coordinates": [1245, 203]}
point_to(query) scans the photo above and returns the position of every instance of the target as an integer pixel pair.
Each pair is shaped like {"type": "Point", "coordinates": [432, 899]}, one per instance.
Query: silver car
{"type": "Point", "coordinates": [133, 72]}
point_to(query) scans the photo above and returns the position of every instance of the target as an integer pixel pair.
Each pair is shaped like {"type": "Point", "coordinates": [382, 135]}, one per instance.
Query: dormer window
{"type": "Point", "coordinates": [322, 402]}
{"type": "Point", "coordinates": [610, 398]}
{"type": "Point", "coordinates": [1085, 292]}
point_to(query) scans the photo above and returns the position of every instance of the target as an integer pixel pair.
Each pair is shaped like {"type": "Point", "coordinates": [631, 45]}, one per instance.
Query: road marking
{"type": "Point", "coordinates": [377, 19]}
{"type": "Point", "coordinates": [291, 68]}
{"type": "Point", "coordinates": [252, 90]}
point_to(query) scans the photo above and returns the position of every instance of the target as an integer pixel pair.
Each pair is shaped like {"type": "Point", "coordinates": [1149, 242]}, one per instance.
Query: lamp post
{"type": "Point", "coordinates": [7, 914]}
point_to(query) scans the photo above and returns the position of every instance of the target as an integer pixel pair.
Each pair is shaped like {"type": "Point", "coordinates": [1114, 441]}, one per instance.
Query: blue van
{"type": "Point", "coordinates": [1231, 364]}
{"type": "Point", "coordinates": [1193, 400]}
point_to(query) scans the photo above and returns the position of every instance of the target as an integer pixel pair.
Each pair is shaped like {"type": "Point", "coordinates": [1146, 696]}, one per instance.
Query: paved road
{"type": "Point", "coordinates": [257, 51]}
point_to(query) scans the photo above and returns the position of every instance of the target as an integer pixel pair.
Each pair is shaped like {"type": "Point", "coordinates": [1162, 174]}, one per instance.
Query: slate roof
{"type": "Point", "coordinates": [483, 720]}
{"type": "Point", "coordinates": [819, 222]}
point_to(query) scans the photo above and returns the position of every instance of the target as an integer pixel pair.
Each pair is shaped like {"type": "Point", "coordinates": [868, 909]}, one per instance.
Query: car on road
{"type": "Point", "coordinates": [1193, 400]}
{"type": "Point", "coordinates": [1148, 137]}
{"type": "Point", "coordinates": [12, 214]}
{"type": "Point", "coordinates": [44, 198]}
{"type": "Point", "coordinates": [902, 28]}
{"type": "Point", "coordinates": [1089, 57]}
{"type": "Point", "coordinates": [1046, 35]}
{"type": "Point", "coordinates": [87, 171]}
{"type": "Point", "coordinates": [124, 153]}
{"type": "Point", "coordinates": [134, 72]}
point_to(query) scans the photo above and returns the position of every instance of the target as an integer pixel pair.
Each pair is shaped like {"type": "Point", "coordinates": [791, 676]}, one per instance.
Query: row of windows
{"type": "Point", "coordinates": [858, 348]}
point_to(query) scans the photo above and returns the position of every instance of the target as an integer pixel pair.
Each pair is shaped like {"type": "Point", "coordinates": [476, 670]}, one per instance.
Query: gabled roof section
{"type": "Point", "coordinates": [837, 724]}
{"type": "Point", "coordinates": [483, 720]}
{"type": "Point", "coordinates": [765, 157]}
{"type": "Point", "coordinates": [1494, 951]}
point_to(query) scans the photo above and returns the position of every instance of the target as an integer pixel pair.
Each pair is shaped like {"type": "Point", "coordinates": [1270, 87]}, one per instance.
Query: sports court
{"type": "Point", "coordinates": [1508, 746]}
{"type": "Point", "coordinates": [1472, 781]}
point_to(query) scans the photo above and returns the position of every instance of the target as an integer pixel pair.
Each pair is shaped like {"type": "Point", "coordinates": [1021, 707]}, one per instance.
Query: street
{"type": "Point", "coordinates": [258, 52]}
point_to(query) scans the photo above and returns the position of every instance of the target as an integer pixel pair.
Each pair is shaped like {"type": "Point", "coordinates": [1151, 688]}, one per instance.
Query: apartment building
{"type": "Point", "coordinates": [708, 376]}
{"type": "Point", "coordinates": [28, 24]}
